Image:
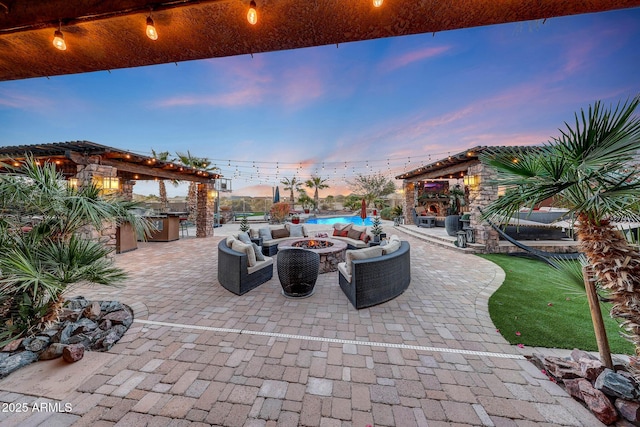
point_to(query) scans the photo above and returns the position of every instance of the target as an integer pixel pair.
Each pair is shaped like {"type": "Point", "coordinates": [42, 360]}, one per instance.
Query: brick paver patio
{"type": "Point", "coordinates": [199, 355]}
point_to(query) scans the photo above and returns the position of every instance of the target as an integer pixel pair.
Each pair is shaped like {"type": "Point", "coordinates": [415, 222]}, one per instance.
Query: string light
{"type": "Point", "coordinates": [151, 29]}
{"type": "Point", "coordinates": [58, 39]}
{"type": "Point", "coordinates": [252, 15]}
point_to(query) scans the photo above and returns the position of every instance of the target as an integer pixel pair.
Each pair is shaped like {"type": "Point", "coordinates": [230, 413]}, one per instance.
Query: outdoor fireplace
{"type": "Point", "coordinates": [312, 244]}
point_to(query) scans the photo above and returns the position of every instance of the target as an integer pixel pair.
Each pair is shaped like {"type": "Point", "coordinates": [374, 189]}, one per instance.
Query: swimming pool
{"type": "Point", "coordinates": [352, 219]}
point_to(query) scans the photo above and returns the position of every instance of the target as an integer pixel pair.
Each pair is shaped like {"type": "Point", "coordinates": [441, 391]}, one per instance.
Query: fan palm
{"type": "Point", "coordinates": [42, 249]}
{"type": "Point", "coordinates": [591, 169]}
{"type": "Point", "coordinates": [317, 183]}
{"type": "Point", "coordinates": [163, 156]}
{"type": "Point", "coordinates": [201, 163]}
{"type": "Point", "coordinates": [292, 184]}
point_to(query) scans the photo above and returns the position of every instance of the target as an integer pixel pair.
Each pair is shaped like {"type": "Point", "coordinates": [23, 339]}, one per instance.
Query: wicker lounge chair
{"type": "Point", "coordinates": [234, 273]}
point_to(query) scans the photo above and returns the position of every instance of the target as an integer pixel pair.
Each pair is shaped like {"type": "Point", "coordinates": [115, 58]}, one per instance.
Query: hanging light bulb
{"type": "Point", "coordinates": [58, 39]}
{"type": "Point", "coordinates": [377, 3]}
{"type": "Point", "coordinates": [151, 29]}
{"type": "Point", "coordinates": [252, 15]}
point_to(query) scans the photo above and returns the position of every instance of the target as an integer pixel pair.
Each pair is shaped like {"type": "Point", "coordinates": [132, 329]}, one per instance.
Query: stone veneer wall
{"type": "Point", "coordinates": [205, 209]}
{"type": "Point", "coordinates": [480, 196]}
{"type": "Point", "coordinates": [85, 174]}
{"type": "Point", "coordinates": [410, 200]}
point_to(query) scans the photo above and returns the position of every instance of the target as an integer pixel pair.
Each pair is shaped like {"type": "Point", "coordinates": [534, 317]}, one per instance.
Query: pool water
{"type": "Point", "coordinates": [352, 219]}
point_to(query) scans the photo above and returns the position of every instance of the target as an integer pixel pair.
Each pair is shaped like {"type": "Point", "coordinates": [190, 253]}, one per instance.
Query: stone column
{"type": "Point", "coordinates": [107, 235]}
{"type": "Point", "coordinates": [480, 196]}
{"type": "Point", "coordinates": [409, 201]}
{"type": "Point", "coordinates": [126, 189]}
{"type": "Point", "coordinates": [206, 196]}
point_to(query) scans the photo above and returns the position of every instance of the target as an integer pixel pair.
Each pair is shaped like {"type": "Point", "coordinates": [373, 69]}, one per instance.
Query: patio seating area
{"type": "Point", "coordinates": [198, 354]}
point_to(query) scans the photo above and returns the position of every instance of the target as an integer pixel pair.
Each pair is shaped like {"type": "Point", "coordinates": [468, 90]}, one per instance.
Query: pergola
{"type": "Point", "coordinates": [117, 170]}
{"type": "Point", "coordinates": [110, 34]}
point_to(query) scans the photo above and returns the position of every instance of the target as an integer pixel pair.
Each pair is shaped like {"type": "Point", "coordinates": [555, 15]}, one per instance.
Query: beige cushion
{"type": "Point", "coordinates": [253, 233]}
{"type": "Point", "coordinates": [342, 268]}
{"type": "Point", "coordinates": [230, 241]}
{"type": "Point", "coordinates": [391, 247]}
{"type": "Point", "coordinates": [365, 253]}
{"type": "Point", "coordinates": [342, 226]}
{"type": "Point", "coordinates": [245, 249]}
{"type": "Point", "coordinates": [296, 230]}
{"type": "Point", "coordinates": [260, 265]}
{"type": "Point", "coordinates": [354, 234]}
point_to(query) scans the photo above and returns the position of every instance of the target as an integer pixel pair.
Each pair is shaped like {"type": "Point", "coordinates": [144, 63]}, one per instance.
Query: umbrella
{"type": "Point", "coordinates": [276, 196]}
{"type": "Point", "coordinates": [363, 211]}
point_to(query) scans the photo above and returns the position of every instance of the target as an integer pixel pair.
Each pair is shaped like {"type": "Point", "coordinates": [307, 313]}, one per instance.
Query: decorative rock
{"type": "Point", "coordinates": [120, 316]}
{"type": "Point", "coordinates": [92, 311]}
{"type": "Point", "coordinates": [37, 344]}
{"type": "Point", "coordinates": [598, 403]}
{"type": "Point", "coordinates": [73, 353]}
{"type": "Point", "coordinates": [109, 306]}
{"type": "Point", "coordinates": [65, 334]}
{"type": "Point", "coordinates": [76, 303]}
{"type": "Point", "coordinates": [590, 368]}
{"type": "Point", "coordinates": [52, 352]}
{"type": "Point", "coordinates": [573, 387]}
{"type": "Point", "coordinates": [106, 324]}
{"type": "Point", "coordinates": [577, 354]}
{"type": "Point", "coordinates": [629, 410]}
{"type": "Point", "coordinates": [84, 325]}
{"type": "Point", "coordinates": [17, 361]}
{"type": "Point", "coordinates": [13, 345]}
{"type": "Point", "coordinates": [616, 385]}
{"type": "Point", "coordinates": [562, 368]}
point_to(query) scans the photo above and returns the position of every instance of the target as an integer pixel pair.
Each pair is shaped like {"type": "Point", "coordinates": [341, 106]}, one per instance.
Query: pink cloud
{"type": "Point", "coordinates": [244, 96]}
{"type": "Point", "coordinates": [405, 59]}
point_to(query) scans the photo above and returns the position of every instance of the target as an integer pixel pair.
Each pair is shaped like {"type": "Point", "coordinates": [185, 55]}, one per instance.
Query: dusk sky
{"type": "Point", "coordinates": [379, 106]}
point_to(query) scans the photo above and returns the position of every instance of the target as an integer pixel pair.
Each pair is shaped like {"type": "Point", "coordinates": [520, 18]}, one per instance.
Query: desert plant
{"type": "Point", "coordinates": [279, 211]}
{"type": "Point", "coordinates": [43, 253]}
{"type": "Point", "coordinates": [386, 213]}
{"type": "Point", "coordinates": [590, 169]}
{"type": "Point", "coordinates": [317, 183]}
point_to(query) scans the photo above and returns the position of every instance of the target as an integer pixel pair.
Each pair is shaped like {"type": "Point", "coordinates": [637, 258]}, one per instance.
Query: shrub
{"type": "Point", "coordinates": [386, 213]}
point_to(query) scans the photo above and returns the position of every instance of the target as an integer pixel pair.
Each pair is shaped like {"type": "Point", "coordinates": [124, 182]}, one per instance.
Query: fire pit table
{"type": "Point", "coordinates": [331, 251]}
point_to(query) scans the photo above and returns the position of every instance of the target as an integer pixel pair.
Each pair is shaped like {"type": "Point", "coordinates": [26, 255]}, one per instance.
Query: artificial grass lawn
{"type": "Point", "coordinates": [546, 314]}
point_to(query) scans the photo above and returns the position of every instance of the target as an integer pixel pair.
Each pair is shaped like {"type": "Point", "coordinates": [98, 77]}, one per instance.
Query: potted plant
{"type": "Point", "coordinates": [376, 228]}
{"type": "Point", "coordinates": [295, 219]}
{"type": "Point", "coordinates": [456, 201]}
{"type": "Point", "coordinates": [244, 224]}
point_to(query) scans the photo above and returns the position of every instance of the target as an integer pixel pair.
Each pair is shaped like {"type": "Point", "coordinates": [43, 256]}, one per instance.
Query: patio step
{"type": "Point", "coordinates": [445, 242]}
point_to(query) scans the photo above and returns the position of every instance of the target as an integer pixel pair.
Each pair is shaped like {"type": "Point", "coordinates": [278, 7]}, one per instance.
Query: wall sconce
{"type": "Point", "coordinates": [252, 15]}
{"type": "Point", "coordinates": [73, 182]}
{"type": "Point", "coordinates": [377, 3]}
{"type": "Point", "coordinates": [107, 184]}
{"type": "Point", "coordinates": [471, 180]}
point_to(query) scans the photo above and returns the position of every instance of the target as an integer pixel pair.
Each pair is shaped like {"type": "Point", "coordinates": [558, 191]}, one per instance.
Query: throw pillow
{"type": "Point", "coordinates": [279, 233]}
{"type": "Point", "coordinates": [253, 233]}
{"type": "Point", "coordinates": [364, 237]}
{"type": "Point", "coordinates": [344, 233]}
{"type": "Point", "coordinates": [336, 232]}
{"type": "Point", "coordinates": [258, 250]}
{"type": "Point", "coordinates": [353, 234]}
{"type": "Point", "coordinates": [295, 230]}
{"type": "Point", "coordinates": [359, 228]}
{"type": "Point", "coordinates": [265, 234]}
{"type": "Point", "coordinates": [245, 249]}
{"type": "Point", "coordinates": [230, 240]}
{"type": "Point", "coordinates": [243, 236]}
{"type": "Point", "coordinates": [365, 253]}
{"type": "Point", "coordinates": [393, 246]}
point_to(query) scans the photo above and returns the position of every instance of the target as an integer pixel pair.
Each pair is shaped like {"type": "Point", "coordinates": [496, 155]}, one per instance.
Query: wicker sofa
{"type": "Point", "coordinates": [234, 273]}
{"type": "Point", "coordinates": [378, 279]}
{"type": "Point", "coordinates": [270, 245]}
{"type": "Point", "coordinates": [350, 232]}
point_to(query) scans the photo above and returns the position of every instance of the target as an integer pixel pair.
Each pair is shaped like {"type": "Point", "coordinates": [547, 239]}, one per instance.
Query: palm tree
{"type": "Point", "coordinates": [163, 156]}
{"type": "Point", "coordinates": [317, 183]}
{"type": "Point", "coordinates": [291, 184]}
{"type": "Point", "coordinates": [201, 163]}
{"type": "Point", "coordinates": [590, 170]}
{"type": "Point", "coordinates": [41, 259]}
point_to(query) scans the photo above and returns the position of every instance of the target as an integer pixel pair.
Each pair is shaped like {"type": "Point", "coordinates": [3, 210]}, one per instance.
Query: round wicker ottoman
{"type": "Point", "coordinates": [298, 271]}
